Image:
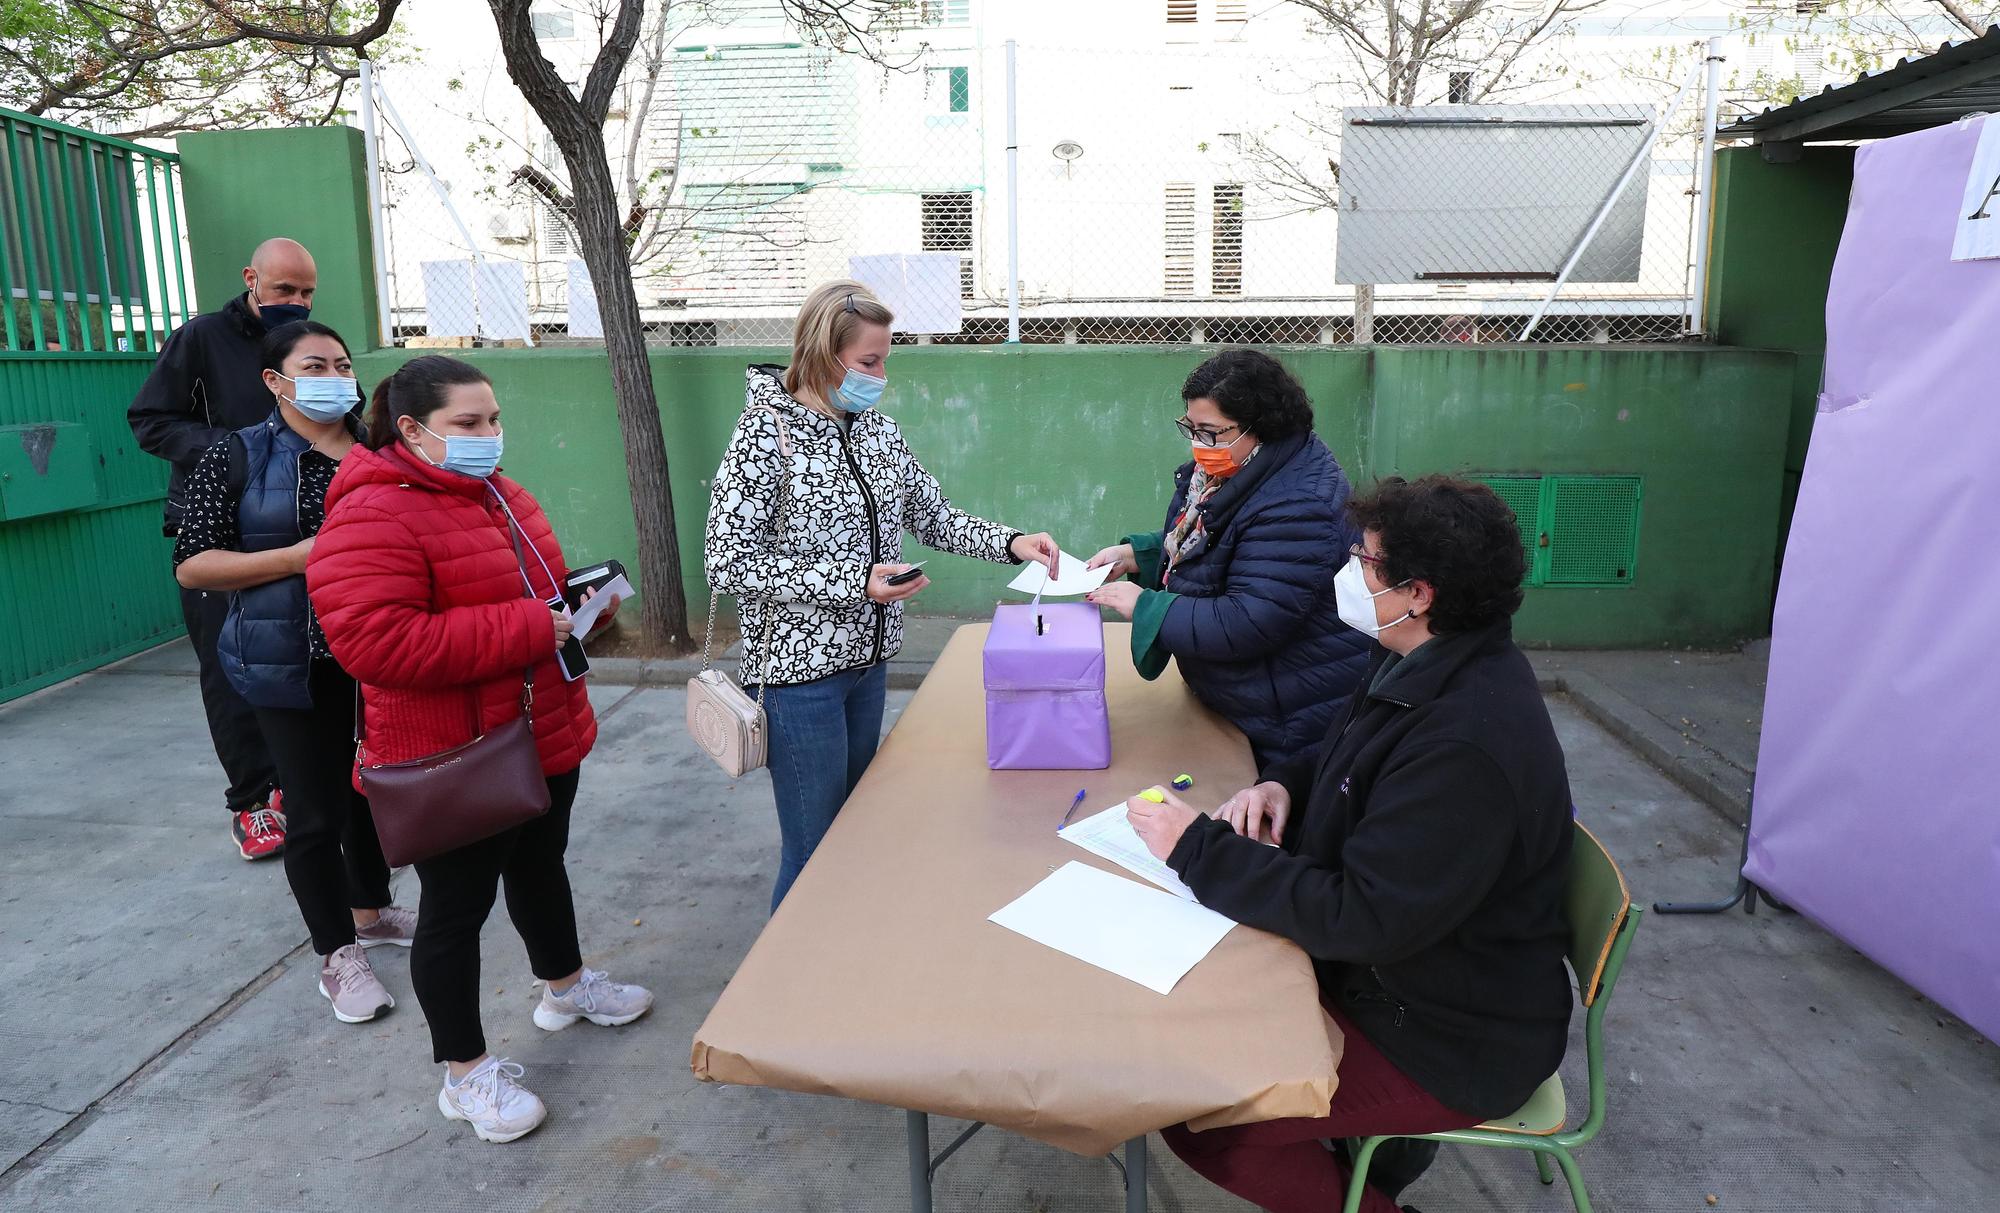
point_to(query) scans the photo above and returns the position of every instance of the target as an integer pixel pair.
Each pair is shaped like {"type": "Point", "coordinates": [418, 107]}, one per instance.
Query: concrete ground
{"type": "Point", "coordinates": [162, 1045]}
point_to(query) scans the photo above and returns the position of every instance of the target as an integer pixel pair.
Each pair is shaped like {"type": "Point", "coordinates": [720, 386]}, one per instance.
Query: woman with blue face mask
{"type": "Point", "coordinates": [810, 541]}
{"type": "Point", "coordinates": [435, 576]}
{"type": "Point", "coordinates": [255, 504]}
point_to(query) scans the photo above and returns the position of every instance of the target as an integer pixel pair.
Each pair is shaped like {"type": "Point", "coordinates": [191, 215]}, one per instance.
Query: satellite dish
{"type": "Point", "coordinates": [1067, 150]}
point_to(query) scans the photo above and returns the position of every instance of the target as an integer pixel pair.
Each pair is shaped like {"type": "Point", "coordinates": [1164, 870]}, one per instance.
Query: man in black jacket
{"type": "Point", "coordinates": [209, 381]}
{"type": "Point", "coordinates": [1425, 874]}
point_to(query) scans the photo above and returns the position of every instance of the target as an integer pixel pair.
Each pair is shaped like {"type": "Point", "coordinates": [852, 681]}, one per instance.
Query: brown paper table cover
{"type": "Point", "coordinates": [880, 978]}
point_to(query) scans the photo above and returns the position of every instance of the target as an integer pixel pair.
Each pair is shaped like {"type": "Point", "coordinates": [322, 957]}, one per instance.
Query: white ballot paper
{"type": "Point", "coordinates": [1072, 578]}
{"type": "Point", "coordinates": [1120, 926]}
{"type": "Point", "coordinates": [585, 616]}
{"type": "Point", "coordinates": [1110, 835]}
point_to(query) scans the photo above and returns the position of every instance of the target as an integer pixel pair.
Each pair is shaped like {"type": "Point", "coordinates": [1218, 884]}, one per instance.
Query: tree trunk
{"type": "Point", "coordinates": [577, 125]}
{"type": "Point", "coordinates": [600, 237]}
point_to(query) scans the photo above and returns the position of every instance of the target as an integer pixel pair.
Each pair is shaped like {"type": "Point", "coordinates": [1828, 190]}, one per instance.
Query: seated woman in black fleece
{"type": "Point", "coordinates": [1423, 868]}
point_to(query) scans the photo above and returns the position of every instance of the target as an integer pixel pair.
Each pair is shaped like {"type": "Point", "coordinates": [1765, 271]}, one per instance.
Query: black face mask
{"type": "Point", "coordinates": [277, 315]}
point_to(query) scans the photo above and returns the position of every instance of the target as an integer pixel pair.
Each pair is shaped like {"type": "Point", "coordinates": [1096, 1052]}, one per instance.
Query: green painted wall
{"type": "Point", "coordinates": [309, 183]}
{"type": "Point", "coordinates": [1704, 427]}
{"type": "Point", "coordinates": [104, 564]}
{"type": "Point", "coordinates": [1777, 228]}
{"type": "Point", "coordinates": [1080, 441]}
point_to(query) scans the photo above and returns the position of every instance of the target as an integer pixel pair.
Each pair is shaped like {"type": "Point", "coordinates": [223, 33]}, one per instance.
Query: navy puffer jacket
{"type": "Point", "coordinates": [1249, 614]}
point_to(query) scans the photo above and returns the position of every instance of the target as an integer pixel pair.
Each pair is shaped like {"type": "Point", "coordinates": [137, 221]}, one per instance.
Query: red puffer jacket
{"type": "Point", "coordinates": [417, 588]}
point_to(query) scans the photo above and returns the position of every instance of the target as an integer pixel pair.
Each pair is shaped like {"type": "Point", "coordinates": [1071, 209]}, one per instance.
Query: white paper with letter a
{"type": "Point", "coordinates": [1978, 234]}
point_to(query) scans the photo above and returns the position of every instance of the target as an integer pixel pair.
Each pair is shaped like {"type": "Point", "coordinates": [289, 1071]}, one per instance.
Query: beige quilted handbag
{"type": "Point", "coordinates": [724, 721]}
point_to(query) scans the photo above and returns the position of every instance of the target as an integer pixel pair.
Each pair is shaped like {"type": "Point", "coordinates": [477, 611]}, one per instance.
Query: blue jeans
{"type": "Point", "coordinates": [823, 736]}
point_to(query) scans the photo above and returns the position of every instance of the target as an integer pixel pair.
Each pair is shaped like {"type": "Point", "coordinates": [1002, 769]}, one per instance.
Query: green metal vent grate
{"type": "Point", "coordinates": [1575, 530]}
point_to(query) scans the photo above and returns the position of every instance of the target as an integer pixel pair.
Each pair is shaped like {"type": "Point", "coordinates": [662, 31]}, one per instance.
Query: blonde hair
{"type": "Point", "coordinates": [828, 323]}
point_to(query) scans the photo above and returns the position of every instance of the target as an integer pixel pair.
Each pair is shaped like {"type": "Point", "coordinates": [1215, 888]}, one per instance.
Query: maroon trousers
{"type": "Point", "coordinates": [1280, 1165]}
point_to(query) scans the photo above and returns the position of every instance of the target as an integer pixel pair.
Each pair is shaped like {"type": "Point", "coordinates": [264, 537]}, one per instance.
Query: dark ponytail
{"type": "Point", "coordinates": [417, 389]}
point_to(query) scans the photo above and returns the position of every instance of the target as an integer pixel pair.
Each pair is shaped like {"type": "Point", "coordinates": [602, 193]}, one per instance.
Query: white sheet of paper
{"type": "Point", "coordinates": [1072, 578]}
{"type": "Point", "coordinates": [503, 301]}
{"type": "Point", "coordinates": [449, 310]}
{"type": "Point", "coordinates": [584, 320]}
{"type": "Point", "coordinates": [1109, 835]}
{"type": "Point", "coordinates": [922, 289]}
{"type": "Point", "coordinates": [1119, 925]}
{"type": "Point", "coordinates": [585, 616]}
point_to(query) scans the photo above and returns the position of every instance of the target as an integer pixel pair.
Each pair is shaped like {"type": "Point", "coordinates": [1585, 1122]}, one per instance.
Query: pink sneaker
{"type": "Point", "coordinates": [396, 926]}
{"type": "Point", "coordinates": [351, 986]}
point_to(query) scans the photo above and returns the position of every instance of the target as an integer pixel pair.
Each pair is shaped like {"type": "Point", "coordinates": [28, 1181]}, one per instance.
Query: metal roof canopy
{"type": "Point", "coordinates": [1914, 95]}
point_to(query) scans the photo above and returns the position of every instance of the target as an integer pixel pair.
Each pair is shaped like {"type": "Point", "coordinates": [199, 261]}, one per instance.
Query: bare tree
{"type": "Point", "coordinates": [1407, 51]}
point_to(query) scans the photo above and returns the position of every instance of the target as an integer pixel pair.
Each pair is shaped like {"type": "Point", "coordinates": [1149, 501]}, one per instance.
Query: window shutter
{"type": "Point", "coordinates": [947, 228]}
{"type": "Point", "coordinates": [1180, 239]}
{"type": "Point", "coordinates": [1225, 258]}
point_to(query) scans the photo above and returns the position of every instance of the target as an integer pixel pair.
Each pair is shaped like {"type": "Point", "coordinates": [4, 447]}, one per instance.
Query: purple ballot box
{"type": "Point", "coordinates": [1045, 689]}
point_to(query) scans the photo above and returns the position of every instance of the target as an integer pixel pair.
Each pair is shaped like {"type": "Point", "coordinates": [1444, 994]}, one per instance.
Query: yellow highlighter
{"type": "Point", "coordinates": [1155, 795]}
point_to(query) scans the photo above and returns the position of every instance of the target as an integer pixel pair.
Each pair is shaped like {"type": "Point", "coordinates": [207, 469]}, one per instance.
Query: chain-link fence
{"type": "Point", "coordinates": [1220, 192]}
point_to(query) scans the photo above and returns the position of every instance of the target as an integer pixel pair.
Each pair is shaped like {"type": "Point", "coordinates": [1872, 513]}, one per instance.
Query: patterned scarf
{"type": "Point", "coordinates": [1189, 525]}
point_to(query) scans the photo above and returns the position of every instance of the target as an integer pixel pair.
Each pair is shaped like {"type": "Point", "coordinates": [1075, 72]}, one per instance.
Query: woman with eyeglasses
{"type": "Point", "coordinates": [805, 526]}
{"type": "Point", "coordinates": [1237, 587]}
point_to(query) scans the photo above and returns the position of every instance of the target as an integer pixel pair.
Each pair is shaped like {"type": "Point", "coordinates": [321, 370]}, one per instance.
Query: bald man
{"type": "Point", "coordinates": [208, 382]}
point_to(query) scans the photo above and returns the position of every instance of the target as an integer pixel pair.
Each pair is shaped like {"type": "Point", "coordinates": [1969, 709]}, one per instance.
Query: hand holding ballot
{"type": "Point", "coordinates": [1159, 818]}
{"type": "Point", "coordinates": [1039, 548]}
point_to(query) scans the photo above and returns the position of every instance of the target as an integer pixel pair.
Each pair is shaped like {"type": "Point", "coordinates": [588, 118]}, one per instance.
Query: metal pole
{"type": "Point", "coordinates": [1604, 212]}
{"type": "Point", "coordinates": [919, 1126]}
{"type": "Point", "coordinates": [372, 139]}
{"type": "Point", "coordinates": [1135, 1175]}
{"type": "Point", "coordinates": [1704, 183]}
{"type": "Point", "coordinates": [1013, 208]}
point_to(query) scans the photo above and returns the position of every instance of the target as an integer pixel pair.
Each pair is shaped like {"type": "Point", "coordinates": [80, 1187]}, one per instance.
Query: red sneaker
{"type": "Point", "coordinates": [259, 833]}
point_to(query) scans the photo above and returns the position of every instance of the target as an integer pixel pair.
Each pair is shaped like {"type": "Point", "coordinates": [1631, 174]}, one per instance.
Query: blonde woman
{"type": "Point", "coordinates": [821, 614]}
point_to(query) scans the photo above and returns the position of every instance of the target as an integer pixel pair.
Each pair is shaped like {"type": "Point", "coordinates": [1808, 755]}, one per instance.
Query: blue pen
{"type": "Point", "coordinates": [1072, 809]}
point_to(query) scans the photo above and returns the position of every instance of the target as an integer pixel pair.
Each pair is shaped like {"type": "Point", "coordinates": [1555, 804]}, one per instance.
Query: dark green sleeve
{"type": "Point", "coordinates": [1147, 615]}
{"type": "Point", "coordinates": [1148, 551]}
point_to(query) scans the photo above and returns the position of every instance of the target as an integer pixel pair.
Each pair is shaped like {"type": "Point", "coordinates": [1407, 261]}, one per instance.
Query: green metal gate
{"type": "Point", "coordinates": [93, 277]}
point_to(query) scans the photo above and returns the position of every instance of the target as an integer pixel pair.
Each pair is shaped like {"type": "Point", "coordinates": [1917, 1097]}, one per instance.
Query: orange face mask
{"type": "Point", "coordinates": [1216, 461]}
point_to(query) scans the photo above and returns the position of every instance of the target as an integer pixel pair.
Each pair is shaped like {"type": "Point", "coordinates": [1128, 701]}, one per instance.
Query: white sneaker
{"type": "Point", "coordinates": [594, 997]}
{"type": "Point", "coordinates": [492, 1102]}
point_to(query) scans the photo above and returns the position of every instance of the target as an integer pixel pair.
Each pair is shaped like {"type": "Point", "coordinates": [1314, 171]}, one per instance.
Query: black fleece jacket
{"type": "Point", "coordinates": [1423, 870]}
{"type": "Point", "coordinates": [207, 384]}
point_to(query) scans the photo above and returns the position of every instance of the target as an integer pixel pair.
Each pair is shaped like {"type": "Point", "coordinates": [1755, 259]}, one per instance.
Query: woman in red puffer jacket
{"type": "Point", "coordinates": [418, 588]}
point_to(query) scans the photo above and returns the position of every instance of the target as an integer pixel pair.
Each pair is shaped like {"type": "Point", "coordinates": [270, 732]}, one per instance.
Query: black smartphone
{"type": "Point", "coordinates": [582, 581]}
{"type": "Point", "coordinates": [574, 661]}
{"type": "Point", "coordinates": [907, 575]}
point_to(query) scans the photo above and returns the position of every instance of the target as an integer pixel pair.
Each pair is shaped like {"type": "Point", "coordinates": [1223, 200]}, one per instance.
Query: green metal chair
{"type": "Point", "coordinates": [1602, 921]}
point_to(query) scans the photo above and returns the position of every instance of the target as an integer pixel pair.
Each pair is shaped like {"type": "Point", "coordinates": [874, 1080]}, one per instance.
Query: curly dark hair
{"type": "Point", "coordinates": [1456, 535]}
{"type": "Point", "coordinates": [1255, 391]}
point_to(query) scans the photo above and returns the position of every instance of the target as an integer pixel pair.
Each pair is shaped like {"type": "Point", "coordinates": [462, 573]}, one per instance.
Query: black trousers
{"type": "Point", "coordinates": [333, 860]}
{"type": "Point", "coordinates": [458, 895]}
{"type": "Point", "coordinates": [232, 723]}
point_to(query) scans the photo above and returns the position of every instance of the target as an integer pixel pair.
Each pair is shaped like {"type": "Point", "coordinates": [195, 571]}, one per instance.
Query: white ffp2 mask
{"type": "Point", "coordinates": [1356, 604]}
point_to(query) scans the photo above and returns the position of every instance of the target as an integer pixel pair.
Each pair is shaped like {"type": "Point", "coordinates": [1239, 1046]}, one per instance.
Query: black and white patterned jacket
{"type": "Point", "coordinates": [852, 494]}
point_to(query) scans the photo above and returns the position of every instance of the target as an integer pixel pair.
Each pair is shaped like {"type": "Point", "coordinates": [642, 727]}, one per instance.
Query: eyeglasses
{"type": "Point", "coordinates": [1204, 435]}
{"type": "Point", "coordinates": [1361, 553]}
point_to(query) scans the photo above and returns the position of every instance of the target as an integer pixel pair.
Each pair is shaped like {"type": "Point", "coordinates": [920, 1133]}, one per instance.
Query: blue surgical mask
{"type": "Point", "coordinates": [858, 393]}
{"type": "Point", "coordinates": [322, 397]}
{"type": "Point", "coordinates": [465, 454]}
